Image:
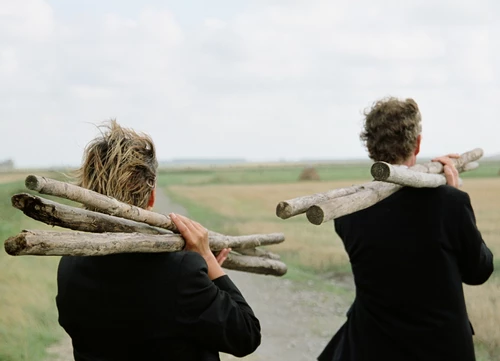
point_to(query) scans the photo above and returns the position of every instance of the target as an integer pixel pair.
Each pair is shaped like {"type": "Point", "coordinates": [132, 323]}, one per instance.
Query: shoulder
{"type": "Point", "coordinates": [192, 262]}
{"type": "Point", "coordinates": [191, 258]}
{"type": "Point", "coordinates": [448, 194]}
{"type": "Point", "coordinates": [436, 195]}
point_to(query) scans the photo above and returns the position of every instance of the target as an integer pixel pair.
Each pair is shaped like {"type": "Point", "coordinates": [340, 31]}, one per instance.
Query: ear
{"type": "Point", "coordinates": [151, 201]}
{"type": "Point", "coordinates": [417, 148]}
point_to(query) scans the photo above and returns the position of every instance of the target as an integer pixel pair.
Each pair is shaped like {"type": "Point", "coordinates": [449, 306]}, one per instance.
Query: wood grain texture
{"type": "Point", "coordinates": [78, 219]}
{"type": "Point", "coordinates": [97, 201]}
{"type": "Point", "coordinates": [295, 206]}
{"type": "Point", "coordinates": [371, 193]}
{"type": "Point", "coordinates": [111, 235]}
{"type": "Point", "coordinates": [259, 265]}
{"type": "Point", "coordinates": [55, 243]}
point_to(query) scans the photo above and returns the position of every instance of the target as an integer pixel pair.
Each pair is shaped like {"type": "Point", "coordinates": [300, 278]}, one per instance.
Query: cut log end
{"type": "Point", "coordinates": [32, 182]}
{"type": "Point", "coordinates": [315, 215]}
{"type": "Point", "coordinates": [380, 171]}
{"type": "Point", "coordinates": [284, 210]}
{"type": "Point", "coordinates": [15, 245]}
{"type": "Point", "coordinates": [18, 200]}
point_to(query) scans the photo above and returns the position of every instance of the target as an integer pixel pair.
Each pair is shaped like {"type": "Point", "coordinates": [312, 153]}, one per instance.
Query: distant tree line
{"type": "Point", "coordinates": [6, 165]}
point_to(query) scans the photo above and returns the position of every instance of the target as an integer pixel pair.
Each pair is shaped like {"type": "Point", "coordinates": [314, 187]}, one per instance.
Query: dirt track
{"type": "Point", "coordinates": [297, 320]}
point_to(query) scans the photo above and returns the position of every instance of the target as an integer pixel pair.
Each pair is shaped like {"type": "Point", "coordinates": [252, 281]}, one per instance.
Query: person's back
{"type": "Point", "coordinates": [410, 254]}
{"type": "Point", "coordinates": [169, 306]}
{"type": "Point", "coordinates": [152, 307]}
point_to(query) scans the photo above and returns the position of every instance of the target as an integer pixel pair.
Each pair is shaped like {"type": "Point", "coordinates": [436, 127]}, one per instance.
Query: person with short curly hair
{"type": "Point", "coordinates": [410, 254]}
{"type": "Point", "coordinates": [392, 130]}
{"type": "Point", "coordinates": [148, 306]}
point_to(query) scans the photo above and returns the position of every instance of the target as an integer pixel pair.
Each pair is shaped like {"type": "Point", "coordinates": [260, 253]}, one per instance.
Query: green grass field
{"type": "Point", "coordinates": [28, 317]}
{"type": "Point", "coordinates": [269, 174]}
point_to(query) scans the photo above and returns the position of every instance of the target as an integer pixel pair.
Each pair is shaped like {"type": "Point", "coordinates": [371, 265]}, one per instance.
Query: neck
{"type": "Point", "coordinates": [410, 162]}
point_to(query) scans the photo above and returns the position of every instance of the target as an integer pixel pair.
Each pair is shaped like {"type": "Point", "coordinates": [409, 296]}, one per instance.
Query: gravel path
{"type": "Point", "coordinates": [297, 320]}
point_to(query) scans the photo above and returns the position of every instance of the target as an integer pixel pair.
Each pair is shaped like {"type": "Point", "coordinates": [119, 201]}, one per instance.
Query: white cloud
{"type": "Point", "coordinates": [30, 20]}
{"type": "Point", "coordinates": [8, 62]}
{"type": "Point", "coordinates": [274, 79]}
{"type": "Point", "coordinates": [89, 93]}
{"type": "Point", "coordinates": [214, 23]}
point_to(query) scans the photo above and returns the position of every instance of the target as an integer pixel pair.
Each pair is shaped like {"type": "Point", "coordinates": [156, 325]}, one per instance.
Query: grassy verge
{"type": "Point", "coordinates": [28, 316]}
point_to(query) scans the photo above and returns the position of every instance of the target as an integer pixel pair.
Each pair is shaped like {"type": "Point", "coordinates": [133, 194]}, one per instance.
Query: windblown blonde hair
{"type": "Point", "coordinates": [121, 164]}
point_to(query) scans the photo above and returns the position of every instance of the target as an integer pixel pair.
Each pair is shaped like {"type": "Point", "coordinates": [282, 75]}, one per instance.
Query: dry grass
{"type": "Point", "coordinates": [19, 175]}
{"type": "Point", "coordinates": [11, 177]}
{"type": "Point", "coordinates": [251, 209]}
{"type": "Point", "coordinates": [483, 301]}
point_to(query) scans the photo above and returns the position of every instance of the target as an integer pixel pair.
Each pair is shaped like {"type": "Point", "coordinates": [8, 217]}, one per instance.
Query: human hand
{"type": "Point", "coordinates": [195, 235]}
{"type": "Point", "coordinates": [221, 257]}
{"type": "Point", "coordinates": [449, 169]}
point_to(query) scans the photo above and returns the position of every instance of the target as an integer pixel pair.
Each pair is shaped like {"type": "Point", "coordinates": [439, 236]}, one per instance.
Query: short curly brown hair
{"type": "Point", "coordinates": [391, 128]}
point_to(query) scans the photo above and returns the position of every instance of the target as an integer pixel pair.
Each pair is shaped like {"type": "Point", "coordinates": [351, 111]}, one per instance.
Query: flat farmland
{"type": "Point", "coordinates": [237, 200]}
{"type": "Point", "coordinates": [316, 251]}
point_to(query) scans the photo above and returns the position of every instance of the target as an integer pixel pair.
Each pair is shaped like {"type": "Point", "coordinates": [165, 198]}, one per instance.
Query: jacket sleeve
{"type": "Point", "coordinates": [214, 313]}
{"type": "Point", "coordinates": [475, 258]}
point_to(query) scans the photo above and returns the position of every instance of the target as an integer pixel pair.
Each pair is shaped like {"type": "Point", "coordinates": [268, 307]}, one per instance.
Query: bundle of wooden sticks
{"type": "Point", "coordinates": [388, 179]}
{"type": "Point", "coordinates": [118, 227]}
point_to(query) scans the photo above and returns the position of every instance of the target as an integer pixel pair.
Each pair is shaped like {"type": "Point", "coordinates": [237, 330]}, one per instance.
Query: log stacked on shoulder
{"type": "Point", "coordinates": [388, 179]}
{"type": "Point", "coordinates": [109, 226]}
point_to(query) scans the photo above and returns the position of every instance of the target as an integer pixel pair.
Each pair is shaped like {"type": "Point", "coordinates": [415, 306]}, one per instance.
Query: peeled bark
{"type": "Point", "coordinates": [299, 205]}
{"type": "Point", "coordinates": [257, 252]}
{"type": "Point", "coordinates": [338, 207]}
{"type": "Point", "coordinates": [386, 172]}
{"type": "Point", "coordinates": [98, 201]}
{"type": "Point", "coordinates": [259, 265]}
{"type": "Point", "coordinates": [53, 243]}
{"type": "Point", "coordinates": [416, 177]}
{"type": "Point", "coordinates": [56, 214]}
{"type": "Point", "coordinates": [375, 191]}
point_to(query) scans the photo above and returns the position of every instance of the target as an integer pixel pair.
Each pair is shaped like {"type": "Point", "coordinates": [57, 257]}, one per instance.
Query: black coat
{"type": "Point", "coordinates": [152, 307]}
{"type": "Point", "coordinates": [410, 254]}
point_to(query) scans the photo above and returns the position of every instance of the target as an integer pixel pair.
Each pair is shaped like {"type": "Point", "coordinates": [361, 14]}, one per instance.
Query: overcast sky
{"type": "Point", "coordinates": [262, 80]}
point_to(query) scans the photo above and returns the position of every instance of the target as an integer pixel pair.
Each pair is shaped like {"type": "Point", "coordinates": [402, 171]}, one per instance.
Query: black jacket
{"type": "Point", "coordinates": [410, 254]}
{"type": "Point", "coordinates": [152, 307]}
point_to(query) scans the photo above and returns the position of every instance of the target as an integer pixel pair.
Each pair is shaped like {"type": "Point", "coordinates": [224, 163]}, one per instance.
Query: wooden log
{"type": "Point", "coordinates": [338, 207]}
{"type": "Point", "coordinates": [375, 191]}
{"type": "Point", "coordinates": [56, 214]}
{"type": "Point", "coordinates": [98, 201]}
{"type": "Point", "coordinates": [299, 205]}
{"type": "Point", "coordinates": [407, 177]}
{"type": "Point", "coordinates": [465, 158]}
{"type": "Point", "coordinates": [53, 243]}
{"type": "Point", "coordinates": [471, 166]}
{"type": "Point", "coordinates": [259, 265]}
{"type": "Point", "coordinates": [257, 252]}
{"type": "Point", "coordinates": [428, 175]}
